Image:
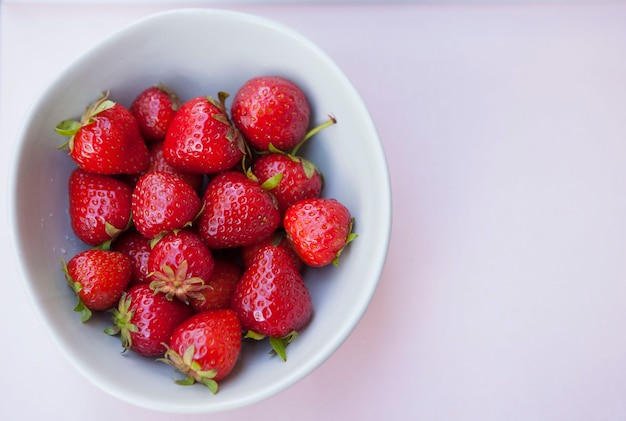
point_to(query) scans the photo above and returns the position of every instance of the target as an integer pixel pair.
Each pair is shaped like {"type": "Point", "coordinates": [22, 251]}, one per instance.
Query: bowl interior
{"type": "Point", "coordinates": [200, 52]}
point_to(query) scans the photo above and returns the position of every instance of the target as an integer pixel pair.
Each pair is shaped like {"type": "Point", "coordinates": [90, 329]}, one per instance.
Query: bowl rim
{"type": "Point", "coordinates": [19, 260]}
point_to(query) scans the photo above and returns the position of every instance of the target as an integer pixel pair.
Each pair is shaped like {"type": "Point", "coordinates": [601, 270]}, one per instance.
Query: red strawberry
{"type": "Point", "coordinates": [137, 248]}
{"type": "Point", "coordinates": [271, 299]}
{"type": "Point", "coordinates": [146, 320]}
{"type": "Point", "coordinates": [99, 206]}
{"type": "Point", "coordinates": [271, 109]}
{"type": "Point", "coordinates": [154, 108]}
{"type": "Point", "coordinates": [106, 140]}
{"type": "Point", "coordinates": [290, 177]}
{"type": "Point", "coordinates": [278, 239]}
{"type": "Point", "coordinates": [205, 347]}
{"type": "Point", "coordinates": [318, 229]}
{"type": "Point", "coordinates": [180, 265]}
{"type": "Point", "coordinates": [159, 164]}
{"type": "Point", "coordinates": [201, 138]}
{"type": "Point", "coordinates": [226, 274]}
{"type": "Point", "coordinates": [98, 277]}
{"type": "Point", "coordinates": [163, 202]}
{"type": "Point", "coordinates": [237, 212]}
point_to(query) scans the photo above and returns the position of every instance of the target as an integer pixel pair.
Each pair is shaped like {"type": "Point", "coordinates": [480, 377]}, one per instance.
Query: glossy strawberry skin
{"type": "Point", "coordinates": [153, 319]}
{"type": "Point", "coordinates": [162, 202]}
{"type": "Point", "coordinates": [278, 239]}
{"type": "Point", "coordinates": [110, 143]}
{"type": "Point", "coordinates": [271, 298]}
{"type": "Point", "coordinates": [158, 163]}
{"type": "Point", "coordinates": [237, 212]}
{"type": "Point", "coordinates": [271, 109]}
{"type": "Point", "coordinates": [95, 201]}
{"type": "Point", "coordinates": [154, 108]}
{"type": "Point", "coordinates": [201, 139]}
{"type": "Point", "coordinates": [318, 229]}
{"type": "Point", "coordinates": [103, 276]}
{"type": "Point", "coordinates": [295, 184]}
{"type": "Point", "coordinates": [216, 338]}
{"type": "Point", "coordinates": [137, 248]}
{"type": "Point", "coordinates": [226, 275]}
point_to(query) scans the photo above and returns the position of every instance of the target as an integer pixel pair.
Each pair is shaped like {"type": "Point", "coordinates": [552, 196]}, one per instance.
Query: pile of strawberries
{"type": "Point", "coordinates": [199, 222]}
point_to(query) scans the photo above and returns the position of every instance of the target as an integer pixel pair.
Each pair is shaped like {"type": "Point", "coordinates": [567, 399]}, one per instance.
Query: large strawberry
{"type": "Point", "coordinates": [202, 139]}
{"type": "Point", "coordinates": [272, 300]}
{"type": "Point", "coordinates": [137, 248]}
{"type": "Point", "coordinates": [154, 108]}
{"type": "Point", "coordinates": [99, 206]}
{"type": "Point", "coordinates": [98, 277]}
{"type": "Point", "coordinates": [237, 211]}
{"type": "Point", "coordinates": [162, 202]}
{"type": "Point", "coordinates": [271, 110]}
{"type": "Point", "coordinates": [319, 229]}
{"type": "Point", "coordinates": [180, 265]}
{"type": "Point", "coordinates": [146, 320]}
{"type": "Point", "coordinates": [205, 347]}
{"type": "Point", "coordinates": [221, 286]}
{"type": "Point", "coordinates": [106, 140]}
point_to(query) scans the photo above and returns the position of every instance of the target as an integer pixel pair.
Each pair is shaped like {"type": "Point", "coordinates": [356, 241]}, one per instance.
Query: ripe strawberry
{"type": "Point", "coordinates": [278, 239]}
{"type": "Point", "coordinates": [237, 212]}
{"type": "Point", "coordinates": [146, 320]}
{"type": "Point", "coordinates": [205, 347]}
{"type": "Point", "coordinates": [106, 140]}
{"type": "Point", "coordinates": [221, 286]}
{"type": "Point", "coordinates": [163, 202]}
{"type": "Point", "coordinates": [180, 265]}
{"type": "Point", "coordinates": [154, 108]}
{"type": "Point", "coordinates": [271, 299]}
{"type": "Point", "coordinates": [319, 229]}
{"type": "Point", "coordinates": [99, 206]}
{"type": "Point", "coordinates": [288, 178]}
{"type": "Point", "coordinates": [137, 248]}
{"type": "Point", "coordinates": [271, 109]}
{"type": "Point", "coordinates": [201, 138]}
{"type": "Point", "coordinates": [98, 277]}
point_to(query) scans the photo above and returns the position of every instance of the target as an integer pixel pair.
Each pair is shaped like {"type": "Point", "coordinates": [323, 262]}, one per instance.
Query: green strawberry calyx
{"type": "Point", "coordinates": [85, 312]}
{"type": "Point", "coordinates": [122, 316]}
{"type": "Point", "coordinates": [189, 367]}
{"type": "Point", "coordinates": [177, 283]}
{"type": "Point", "coordinates": [351, 237]}
{"type": "Point", "coordinates": [278, 344]}
{"type": "Point", "coordinates": [69, 128]}
{"type": "Point", "coordinates": [233, 135]}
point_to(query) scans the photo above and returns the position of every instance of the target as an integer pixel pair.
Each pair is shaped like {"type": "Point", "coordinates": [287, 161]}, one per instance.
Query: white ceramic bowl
{"type": "Point", "coordinates": [200, 51]}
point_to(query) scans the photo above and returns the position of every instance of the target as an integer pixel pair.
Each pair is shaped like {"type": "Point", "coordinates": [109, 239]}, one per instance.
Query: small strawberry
{"type": "Point", "coordinates": [205, 347]}
{"type": "Point", "coordinates": [180, 265]}
{"type": "Point", "coordinates": [271, 299]}
{"type": "Point", "coordinates": [146, 320]}
{"type": "Point", "coordinates": [201, 138]}
{"type": "Point", "coordinates": [271, 109]}
{"type": "Point", "coordinates": [319, 229]}
{"type": "Point", "coordinates": [163, 202]}
{"type": "Point", "coordinates": [106, 140]}
{"type": "Point", "coordinates": [98, 277]}
{"type": "Point", "coordinates": [137, 248]}
{"type": "Point", "coordinates": [99, 206]}
{"type": "Point", "coordinates": [237, 212]}
{"type": "Point", "coordinates": [221, 286]}
{"type": "Point", "coordinates": [154, 108]}
{"type": "Point", "coordinates": [287, 176]}
{"type": "Point", "coordinates": [278, 239]}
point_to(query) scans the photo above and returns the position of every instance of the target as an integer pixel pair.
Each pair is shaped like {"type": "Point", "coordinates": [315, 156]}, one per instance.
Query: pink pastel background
{"type": "Point", "coordinates": [504, 292]}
